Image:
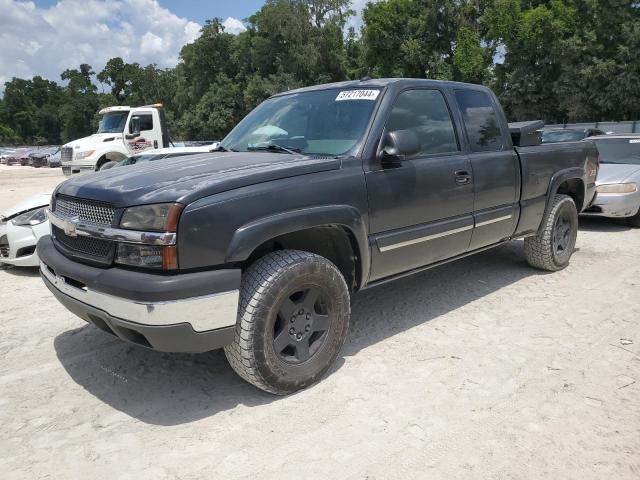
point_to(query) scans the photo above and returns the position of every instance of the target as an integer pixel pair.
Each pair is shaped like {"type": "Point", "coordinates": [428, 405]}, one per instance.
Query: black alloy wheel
{"type": "Point", "coordinates": [301, 326]}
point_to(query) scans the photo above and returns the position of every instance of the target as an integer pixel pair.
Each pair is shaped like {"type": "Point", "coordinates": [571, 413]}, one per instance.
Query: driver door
{"type": "Point", "coordinates": [421, 207]}
{"type": "Point", "coordinates": [140, 134]}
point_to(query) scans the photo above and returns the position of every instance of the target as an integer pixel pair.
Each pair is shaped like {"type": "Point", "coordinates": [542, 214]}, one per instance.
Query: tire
{"type": "Point", "coordinates": [552, 249]}
{"type": "Point", "coordinates": [634, 221]}
{"type": "Point", "coordinates": [286, 341]}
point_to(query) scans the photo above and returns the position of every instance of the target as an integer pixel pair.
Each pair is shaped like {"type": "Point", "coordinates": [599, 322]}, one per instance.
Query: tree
{"type": "Point", "coordinates": [558, 60]}
{"type": "Point", "coordinates": [81, 103]}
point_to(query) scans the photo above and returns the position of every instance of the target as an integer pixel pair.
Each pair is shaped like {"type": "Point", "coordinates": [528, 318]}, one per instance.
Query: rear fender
{"type": "Point", "coordinates": [558, 179]}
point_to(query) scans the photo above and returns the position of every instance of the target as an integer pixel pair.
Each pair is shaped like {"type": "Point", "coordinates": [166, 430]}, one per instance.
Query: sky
{"type": "Point", "coordinates": [45, 37]}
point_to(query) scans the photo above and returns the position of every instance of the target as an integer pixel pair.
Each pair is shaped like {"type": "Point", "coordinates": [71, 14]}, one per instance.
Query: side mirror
{"type": "Point", "coordinates": [134, 128]}
{"type": "Point", "coordinates": [398, 145]}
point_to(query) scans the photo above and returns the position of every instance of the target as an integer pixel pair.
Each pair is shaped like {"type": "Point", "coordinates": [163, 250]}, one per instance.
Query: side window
{"type": "Point", "coordinates": [480, 120]}
{"type": "Point", "coordinates": [426, 113]}
{"type": "Point", "coordinates": [146, 122]}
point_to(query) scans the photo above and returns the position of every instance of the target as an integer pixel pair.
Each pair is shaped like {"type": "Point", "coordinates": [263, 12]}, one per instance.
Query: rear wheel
{"type": "Point", "coordinates": [292, 321]}
{"type": "Point", "coordinates": [552, 249]}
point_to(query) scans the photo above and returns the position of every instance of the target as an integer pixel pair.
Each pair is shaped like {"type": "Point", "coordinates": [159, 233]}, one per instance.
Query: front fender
{"type": "Point", "coordinates": [251, 235]}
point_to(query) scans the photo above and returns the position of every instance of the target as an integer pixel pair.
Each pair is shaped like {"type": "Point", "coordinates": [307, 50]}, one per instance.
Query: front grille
{"type": "Point", "coordinates": [94, 247]}
{"type": "Point", "coordinates": [87, 210]}
{"type": "Point", "coordinates": [4, 247]}
{"type": "Point", "coordinates": [66, 170]}
{"type": "Point", "coordinates": [66, 154]}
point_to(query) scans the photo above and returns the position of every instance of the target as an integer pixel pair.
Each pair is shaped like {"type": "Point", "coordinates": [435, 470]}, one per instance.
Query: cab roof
{"type": "Point", "coordinates": [381, 83]}
{"type": "Point", "coordinates": [117, 108]}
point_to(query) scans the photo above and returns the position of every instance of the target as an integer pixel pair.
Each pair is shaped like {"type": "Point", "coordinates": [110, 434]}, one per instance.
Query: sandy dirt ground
{"type": "Point", "coordinates": [481, 369]}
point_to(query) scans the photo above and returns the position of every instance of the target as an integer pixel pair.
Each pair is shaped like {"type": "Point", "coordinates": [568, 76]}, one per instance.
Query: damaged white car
{"type": "Point", "coordinates": [21, 226]}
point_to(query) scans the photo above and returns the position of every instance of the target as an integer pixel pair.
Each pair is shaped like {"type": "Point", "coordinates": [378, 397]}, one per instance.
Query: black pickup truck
{"type": "Point", "coordinates": [318, 193]}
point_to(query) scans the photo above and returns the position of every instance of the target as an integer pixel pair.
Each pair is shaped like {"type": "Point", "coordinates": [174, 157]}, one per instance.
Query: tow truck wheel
{"type": "Point", "coordinates": [552, 249]}
{"type": "Point", "coordinates": [108, 165]}
{"type": "Point", "coordinates": [292, 321]}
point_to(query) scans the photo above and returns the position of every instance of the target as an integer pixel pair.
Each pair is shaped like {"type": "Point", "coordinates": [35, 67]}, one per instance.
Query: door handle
{"type": "Point", "coordinates": [462, 177]}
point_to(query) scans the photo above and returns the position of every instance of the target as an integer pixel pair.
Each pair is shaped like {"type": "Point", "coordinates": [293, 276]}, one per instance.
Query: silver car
{"type": "Point", "coordinates": [618, 182]}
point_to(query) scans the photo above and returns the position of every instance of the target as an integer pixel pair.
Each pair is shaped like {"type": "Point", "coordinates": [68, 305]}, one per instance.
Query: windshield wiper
{"type": "Point", "coordinates": [220, 148]}
{"type": "Point", "coordinates": [274, 148]}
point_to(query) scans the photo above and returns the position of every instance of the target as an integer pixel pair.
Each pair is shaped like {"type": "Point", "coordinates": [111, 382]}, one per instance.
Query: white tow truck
{"type": "Point", "coordinates": [122, 132]}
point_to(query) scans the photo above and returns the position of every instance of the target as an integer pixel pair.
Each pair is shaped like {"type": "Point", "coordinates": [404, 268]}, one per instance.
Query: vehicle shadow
{"type": "Point", "coordinates": [171, 389]}
{"type": "Point", "coordinates": [153, 387]}
{"type": "Point", "coordinates": [388, 309]}
{"type": "Point", "coordinates": [20, 271]}
{"type": "Point", "coordinates": [603, 224]}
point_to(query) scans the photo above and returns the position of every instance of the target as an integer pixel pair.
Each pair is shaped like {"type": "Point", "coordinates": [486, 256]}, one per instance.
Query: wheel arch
{"type": "Point", "coordinates": [336, 232]}
{"type": "Point", "coordinates": [108, 157]}
{"type": "Point", "coordinates": [569, 182]}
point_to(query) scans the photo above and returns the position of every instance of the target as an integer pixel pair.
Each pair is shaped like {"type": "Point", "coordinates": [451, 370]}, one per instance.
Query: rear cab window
{"type": "Point", "coordinates": [480, 120]}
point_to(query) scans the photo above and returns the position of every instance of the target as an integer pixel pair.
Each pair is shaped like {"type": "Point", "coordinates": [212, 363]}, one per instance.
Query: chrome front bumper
{"type": "Point", "coordinates": [68, 169]}
{"type": "Point", "coordinates": [204, 313]}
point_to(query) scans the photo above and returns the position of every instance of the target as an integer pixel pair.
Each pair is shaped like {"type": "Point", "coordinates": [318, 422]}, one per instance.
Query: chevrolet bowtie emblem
{"type": "Point", "coordinates": [70, 225]}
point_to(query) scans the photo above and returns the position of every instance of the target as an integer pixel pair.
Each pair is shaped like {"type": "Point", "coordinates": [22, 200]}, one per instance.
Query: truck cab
{"type": "Point", "coordinates": [123, 131]}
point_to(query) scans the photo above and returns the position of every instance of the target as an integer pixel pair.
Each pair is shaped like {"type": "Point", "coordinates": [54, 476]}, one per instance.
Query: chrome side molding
{"type": "Point", "coordinates": [434, 236]}
{"type": "Point", "coordinates": [426, 238]}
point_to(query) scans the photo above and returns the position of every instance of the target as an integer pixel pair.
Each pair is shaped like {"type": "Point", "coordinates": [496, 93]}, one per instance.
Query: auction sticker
{"type": "Point", "coordinates": [357, 95]}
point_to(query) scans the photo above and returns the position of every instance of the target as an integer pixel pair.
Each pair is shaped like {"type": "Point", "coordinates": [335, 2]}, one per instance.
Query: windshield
{"type": "Point", "coordinates": [326, 122]}
{"type": "Point", "coordinates": [557, 136]}
{"type": "Point", "coordinates": [113, 122]}
{"type": "Point", "coordinates": [619, 150]}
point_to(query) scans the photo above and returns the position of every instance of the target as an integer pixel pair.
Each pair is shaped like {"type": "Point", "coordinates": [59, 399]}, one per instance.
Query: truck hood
{"type": "Point", "coordinates": [34, 201]}
{"type": "Point", "coordinates": [93, 140]}
{"type": "Point", "coordinates": [190, 178]}
{"type": "Point", "coordinates": [617, 173]}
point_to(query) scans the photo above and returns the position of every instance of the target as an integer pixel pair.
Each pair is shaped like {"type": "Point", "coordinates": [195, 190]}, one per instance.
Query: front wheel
{"type": "Point", "coordinates": [107, 165]}
{"type": "Point", "coordinates": [292, 321]}
{"type": "Point", "coordinates": [552, 249]}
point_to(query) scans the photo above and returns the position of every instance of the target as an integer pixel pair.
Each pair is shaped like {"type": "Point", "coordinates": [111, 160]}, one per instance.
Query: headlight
{"type": "Point", "coordinates": [611, 188]}
{"type": "Point", "coordinates": [161, 217]}
{"type": "Point", "coordinates": [32, 217]}
{"type": "Point", "coordinates": [147, 256]}
{"type": "Point", "coordinates": [85, 154]}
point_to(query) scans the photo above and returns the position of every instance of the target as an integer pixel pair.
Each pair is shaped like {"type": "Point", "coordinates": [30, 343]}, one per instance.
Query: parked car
{"type": "Point", "coordinates": [21, 227]}
{"type": "Point", "coordinates": [19, 156]}
{"type": "Point", "coordinates": [55, 159]}
{"type": "Point", "coordinates": [316, 194]}
{"type": "Point", "coordinates": [40, 158]}
{"type": "Point", "coordinates": [25, 159]}
{"type": "Point", "coordinates": [617, 192]}
{"type": "Point", "coordinates": [558, 135]}
{"type": "Point", "coordinates": [5, 153]}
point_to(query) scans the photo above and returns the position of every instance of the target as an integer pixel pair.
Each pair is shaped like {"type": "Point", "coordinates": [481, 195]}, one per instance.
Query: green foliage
{"type": "Point", "coordinates": [559, 60]}
{"type": "Point", "coordinates": [470, 60]}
